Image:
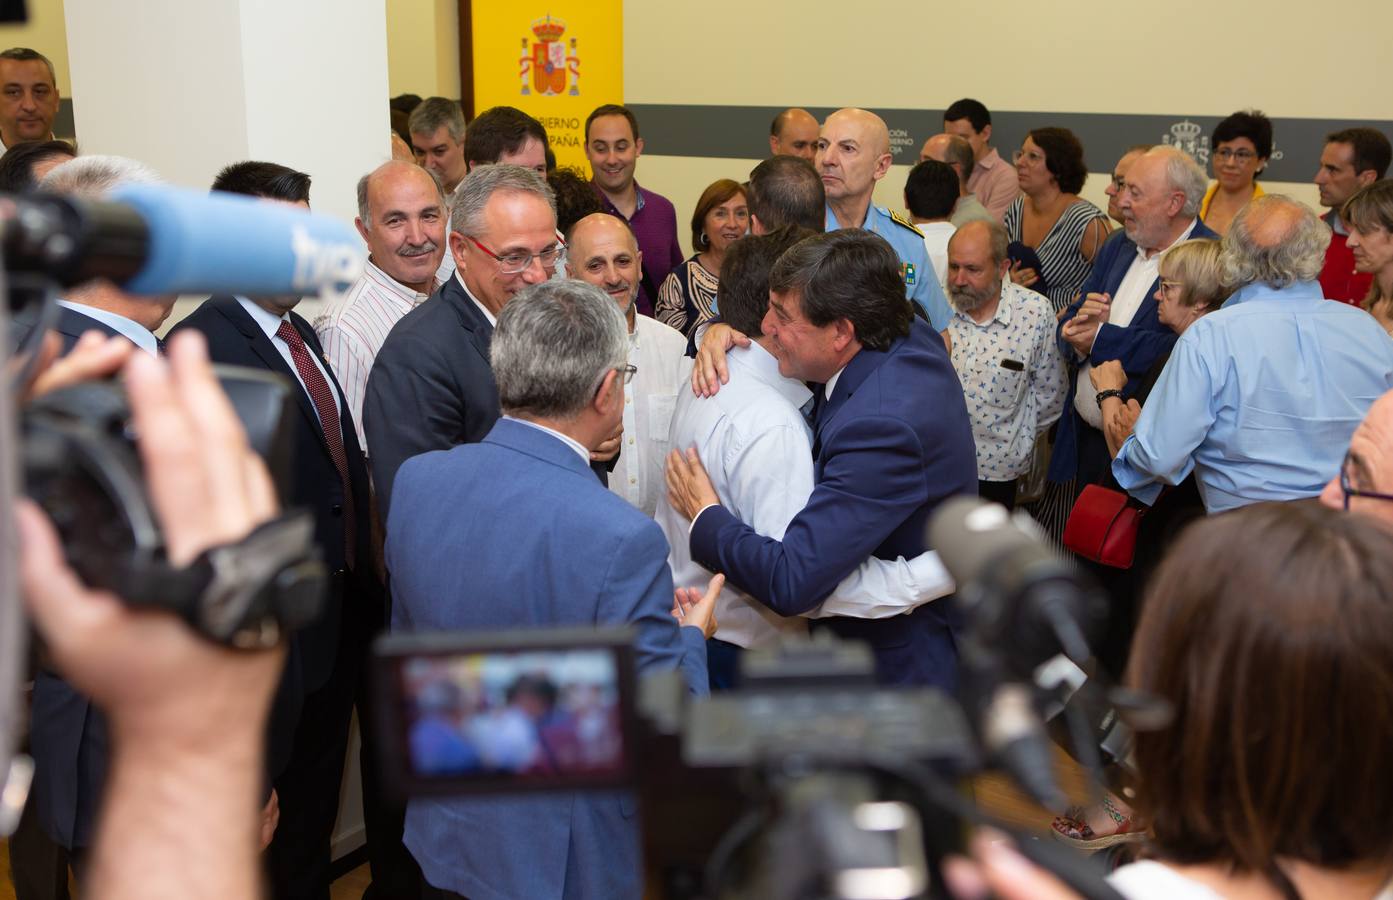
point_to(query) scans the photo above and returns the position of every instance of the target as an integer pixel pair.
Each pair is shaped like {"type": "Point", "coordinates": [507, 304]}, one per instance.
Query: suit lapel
{"type": "Point", "coordinates": [853, 376]}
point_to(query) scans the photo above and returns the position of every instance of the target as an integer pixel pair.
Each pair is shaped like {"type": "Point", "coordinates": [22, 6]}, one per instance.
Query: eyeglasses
{"type": "Point", "coordinates": [629, 372]}
{"type": "Point", "coordinates": [626, 373]}
{"type": "Point", "coordinates": [1349, 481]}
{"type": "Point", "coordinates": [1034, 156]}
{"type": "Point", "coordinates": [1225, 154]}
{"type": "Point", "coordinates": [1171, 285]}
{"type": "Point", "coordinates": [520, 261]}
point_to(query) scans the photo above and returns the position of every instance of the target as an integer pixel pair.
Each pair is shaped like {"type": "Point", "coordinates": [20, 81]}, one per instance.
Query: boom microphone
{"type": "Point", "coordinates": [159, 240]}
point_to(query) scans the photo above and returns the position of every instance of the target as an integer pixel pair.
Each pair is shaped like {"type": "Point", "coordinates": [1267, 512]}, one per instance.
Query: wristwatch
{"type": "Point", "coordinates": [1103, 395]}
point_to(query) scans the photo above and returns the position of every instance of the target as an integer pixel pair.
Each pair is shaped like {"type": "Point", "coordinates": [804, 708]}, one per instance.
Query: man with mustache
{"type": "Point", "coordinates": [603, 251]}
{"type": "Point", "coordinates": [401, 216]}
{"type": "Point", "coordinates": [1003, 349]}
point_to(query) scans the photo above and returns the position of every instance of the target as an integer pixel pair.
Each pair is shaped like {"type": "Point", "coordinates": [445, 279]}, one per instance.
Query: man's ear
{"type": "Point", "coordinates": [605, 395]}
{"type": "Point", "coordinates": [1366, 177]}
{"type": "Point", "coordinates": [455, 241]}
{"type": "Point", "coordinates": [986, 133]}
{"type": "Point", "coordinates": [362, 229]}
{"type": "Point", "coordinates": [638, 145]}
{"type": "Point", "coordinates": [843, 333]}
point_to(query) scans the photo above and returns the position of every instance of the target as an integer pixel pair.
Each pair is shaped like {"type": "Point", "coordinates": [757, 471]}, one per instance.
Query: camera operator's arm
{"type": "Point", "coordinates": [95, 355]}
{"type": "Point", "coordinates": [181, 812]}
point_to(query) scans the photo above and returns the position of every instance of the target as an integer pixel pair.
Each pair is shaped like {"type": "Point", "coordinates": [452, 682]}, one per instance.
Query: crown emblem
{"type": "Point", "coordinates": [1186, 132]}
{"type": "Point", "coordinates": [548, 29]}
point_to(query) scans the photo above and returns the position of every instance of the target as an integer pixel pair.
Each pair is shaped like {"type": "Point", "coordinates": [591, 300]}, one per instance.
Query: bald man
{"type": "Point", "coordinates": [853, 153]}
{"type": "Point", "coordinates": [957, 152]}
{"type": "Point", "coordinates": [1260, 398]}
{"type": "Point", "coordinates": [603, 251]}
{"type": "Point", "coordinates": [794, 133]}
{"type": "Point", "coordinates": [401, 216]}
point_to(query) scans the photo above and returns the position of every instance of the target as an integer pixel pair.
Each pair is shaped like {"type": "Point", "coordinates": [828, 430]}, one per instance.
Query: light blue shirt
{"type": "Point", "coordinates": [921, 283]}
{"type": "Point", "coordinates": [1259, 399]}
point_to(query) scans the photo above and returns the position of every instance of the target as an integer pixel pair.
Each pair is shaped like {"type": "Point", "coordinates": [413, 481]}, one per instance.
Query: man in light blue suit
{"type": "Point", "coordinates": [514, 532]}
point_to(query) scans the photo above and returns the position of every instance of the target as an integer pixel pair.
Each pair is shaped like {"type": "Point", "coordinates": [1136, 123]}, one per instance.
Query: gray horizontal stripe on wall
{"type": "Point", "coordinates": [742, 132]}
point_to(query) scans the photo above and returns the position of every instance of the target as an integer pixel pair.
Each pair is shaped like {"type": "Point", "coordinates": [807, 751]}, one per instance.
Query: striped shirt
{"type": "Point", "coordinates": [353, 330]}
{"type": "Point", "coordinates": [1065, 269]}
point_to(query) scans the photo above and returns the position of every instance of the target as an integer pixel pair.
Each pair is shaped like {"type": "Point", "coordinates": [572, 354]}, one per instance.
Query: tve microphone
{"type": "Point", "coordinates": [162, 240]}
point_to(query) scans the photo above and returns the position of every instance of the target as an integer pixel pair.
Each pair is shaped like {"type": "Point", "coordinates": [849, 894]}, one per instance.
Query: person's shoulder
{"type": "Point", "coordinates": [897, 219]}
{"type": "Point", "coordinates": [657, 199]}
{"type": "Point", "coordinates": [212, 315]}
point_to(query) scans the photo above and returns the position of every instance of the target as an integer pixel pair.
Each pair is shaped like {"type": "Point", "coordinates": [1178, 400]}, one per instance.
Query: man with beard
{"type": "Point", "coordinates": [401, 216]}
{"type": "Point", "coordinates": [1002, 344]}
{"type": "Point", "coordinates": [603, 251]}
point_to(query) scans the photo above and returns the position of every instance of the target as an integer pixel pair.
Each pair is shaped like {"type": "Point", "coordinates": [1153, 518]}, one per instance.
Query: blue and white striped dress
{"type": "Point", "coordinates": [1064, 268]}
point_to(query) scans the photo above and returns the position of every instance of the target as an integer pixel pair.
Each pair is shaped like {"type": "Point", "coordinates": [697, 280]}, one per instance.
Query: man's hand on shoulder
{"type": "Point", "coordinates": [691, 607]}
{"type": "Point", "coordinates": [709, 371]}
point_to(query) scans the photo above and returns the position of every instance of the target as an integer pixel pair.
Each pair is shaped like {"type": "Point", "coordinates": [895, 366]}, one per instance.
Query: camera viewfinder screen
{"type": "Point", "coordinates": [522, 716]}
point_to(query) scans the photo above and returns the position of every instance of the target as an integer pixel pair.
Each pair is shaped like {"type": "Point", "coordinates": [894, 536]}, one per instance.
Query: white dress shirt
{"type": "Point", "coordinates": [664, 371]}
{"type": "Point", "coordinates": [1130, 295]}
{"type": "Point", "coordinates": [563, 438]}
{"type": "Point", "coordinates": [270, 323]}
{"type": "Point", "coordinates": [130, 329]}
{"type": "Point", "coordinates": [354, 329]}
{"type": "Point", "coordinates": [1009, 407]}
{"type": "Point", "coordinates": [936, 237]}
{"type": "Point", "coordinates": [757, 448]}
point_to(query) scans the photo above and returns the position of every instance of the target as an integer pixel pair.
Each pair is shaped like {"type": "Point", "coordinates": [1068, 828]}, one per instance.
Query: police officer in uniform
{"type": "Point", "coordinates": [853, 154]}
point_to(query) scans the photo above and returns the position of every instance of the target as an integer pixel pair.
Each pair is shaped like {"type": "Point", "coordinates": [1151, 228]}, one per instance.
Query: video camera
{"type": "Point", "coordinates": [810, 780]}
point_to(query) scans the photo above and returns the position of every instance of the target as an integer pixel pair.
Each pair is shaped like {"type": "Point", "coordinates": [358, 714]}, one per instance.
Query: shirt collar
{"type": "Point", "coordinates": [563, 438]}
{"type": "Point", "coordinates": [761, 364]}
{"type": "Point", "coordinates": [832, 384]}
{"type": "Point", "coordinates": [415, 298]}
{"type": "Point", "coordinates": [1332, 219]}
{"type": "Point", "coordinates": [1301, 290]}
{"type": "Point", "coordinates": [613, 210]}
{"type": "Point", "coordinates": [130, 329]}
{"type": "Point", "coordinates": [268, 321]}
{"type": "Point", "coordinates": [1003, 306]}
{"type": "Point", "coordinates": [492, 319]}
{"type": "Point", "coordinates": [1184, 236]}
{"type": "Point", "coordinates": [990, 160]}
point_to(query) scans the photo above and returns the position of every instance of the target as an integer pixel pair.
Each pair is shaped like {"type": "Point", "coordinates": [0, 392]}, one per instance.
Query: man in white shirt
{"type": "Point", "coordinates": [1002, 340]}
{"type": "Point", "coordinates": [603, 251]}
{"type": "Point", "coordinates": [930, 192]}
{"type": "Point", "coordinates": [757, 445]}
{"type": "Point", "coordinates": [401, 216]}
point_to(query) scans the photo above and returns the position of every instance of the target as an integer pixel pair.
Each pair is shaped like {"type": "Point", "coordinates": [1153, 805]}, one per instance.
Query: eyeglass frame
{"type": "Point", "coordinates": [558, 249]}
{"type": "Point", "coordinates": [1036, 156]}
{"type": "Point", "coordinates": [1242, 154]}
{"type": "Point", "coordinates": [1350, 491]}
{"type": "Point", "coordinates": [627, 373]}
{"type": "Point", "coordinates": [1167, 285]}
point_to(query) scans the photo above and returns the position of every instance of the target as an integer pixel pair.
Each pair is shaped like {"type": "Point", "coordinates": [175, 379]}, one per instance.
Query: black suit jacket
{"type": "Point", "coordinates": [235, 338]}
{"type": "Point", "coordinates": [72, 325]}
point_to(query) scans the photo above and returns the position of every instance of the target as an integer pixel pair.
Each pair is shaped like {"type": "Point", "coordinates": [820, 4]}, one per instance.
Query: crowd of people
{"type": "Point", "coordinates": [534, 410]}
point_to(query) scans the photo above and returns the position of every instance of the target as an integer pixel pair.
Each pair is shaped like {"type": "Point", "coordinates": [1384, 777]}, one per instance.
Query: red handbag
{"type": "Point", "coordinates": [1103, 527]}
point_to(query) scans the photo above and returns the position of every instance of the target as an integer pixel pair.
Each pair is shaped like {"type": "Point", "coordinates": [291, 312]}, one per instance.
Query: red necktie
{"type": "Point", "coordinates": [323, 398]}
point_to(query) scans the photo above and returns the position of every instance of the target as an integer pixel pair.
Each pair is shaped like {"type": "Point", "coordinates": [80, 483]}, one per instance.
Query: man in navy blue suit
{"type": "Point", "coordinates": [891, 440]}
{"type": "Point", "coordinates": [516, 532]}
{"type": "Point", "coordinates": [1115, 315]}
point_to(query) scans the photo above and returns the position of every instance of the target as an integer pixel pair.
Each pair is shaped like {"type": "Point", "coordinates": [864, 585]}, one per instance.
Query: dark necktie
{"type": "Point", "coordinates": [322, 396]}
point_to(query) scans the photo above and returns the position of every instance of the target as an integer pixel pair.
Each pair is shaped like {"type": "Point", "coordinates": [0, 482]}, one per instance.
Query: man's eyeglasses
{"type": "Point", "coordinates": [1243, 156]}
{"type": "Point", "coordinates": [520, 261]}
{"type": "Point", "coordinates": [1351, 475]}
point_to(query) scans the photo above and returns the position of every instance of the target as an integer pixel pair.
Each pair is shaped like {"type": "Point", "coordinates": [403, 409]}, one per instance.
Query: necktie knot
{"type": "Point", "coordinates": [287, 333]}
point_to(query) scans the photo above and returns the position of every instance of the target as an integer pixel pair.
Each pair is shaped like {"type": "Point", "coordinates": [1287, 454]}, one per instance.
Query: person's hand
{"type": "Point", "coordinates": [166, 689]}
{"type": "Point", "coordinates": [688, 486]}
{"type": "Point", "coordinates": [947, 341]}
{"type": "Point", "coordinates": [608, 448]}
{"type": "Point", "coordinates": [709, 371]}
{"type": "Point", "coordinates": [998, 870]}
{"type": "Point", "coordinates": [1094, 308]}
{"type": "Point", "coordinates": [691, 607]}
{"type": "Point", "coordinates": [1024, 276]}
{"type": "Point", "coordinates": [1079, 334]}
{"type": "Point", "coordinates": [270, 819]}
{"type": "Point", "coordinates": [94, 356]}
{"type": "Point", "coordinates": [1108, 376]}
{"type": "Point", "coordinates": [1124, 421]}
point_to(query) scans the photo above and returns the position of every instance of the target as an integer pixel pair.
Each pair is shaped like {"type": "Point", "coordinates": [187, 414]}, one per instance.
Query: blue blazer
{"type": "Point", "coordinates": [1137, 346]}
{"type": "Point", "coordinates": [892, 442]}
{"type": "Point", "coordinates": [515, 532]}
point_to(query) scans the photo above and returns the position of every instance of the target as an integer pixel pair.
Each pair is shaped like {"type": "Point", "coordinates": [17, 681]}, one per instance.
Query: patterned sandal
{"type": "Point", "coordinates": [1074, 829]}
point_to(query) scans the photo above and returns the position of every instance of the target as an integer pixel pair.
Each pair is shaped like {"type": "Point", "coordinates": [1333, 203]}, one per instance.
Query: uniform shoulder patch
{"type": "Point", "coordinates": [903, 221]}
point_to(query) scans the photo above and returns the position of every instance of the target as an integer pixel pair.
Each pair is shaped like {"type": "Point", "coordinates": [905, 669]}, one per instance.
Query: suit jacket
{"type": "Point", "coordinates": [1137, 346]}
{"type": "Point", "coordinates": [892, 442]}
{"type": "Point", "coordinates": [515, 532]}
{"type": "Point", "coordinates": [72, 325]}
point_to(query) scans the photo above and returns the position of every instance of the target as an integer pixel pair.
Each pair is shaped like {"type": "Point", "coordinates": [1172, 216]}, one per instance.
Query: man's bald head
{"type": "Point", "coordinates": [950, 149]}
{"type": "Point", "coordinates": [1276, 241]}
{"type": "Point", "coordinates": [603, 251]}
{"type": "Point", "coordinates": [794, 133]}
{"type": "Point", "coordinates": [853, 154]}
{"type": "Point", "coordinates": [402, 217]}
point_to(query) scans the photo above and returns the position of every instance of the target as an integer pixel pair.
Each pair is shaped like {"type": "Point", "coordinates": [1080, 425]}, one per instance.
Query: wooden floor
{"type": "Point", "coordinates": [994, 793]}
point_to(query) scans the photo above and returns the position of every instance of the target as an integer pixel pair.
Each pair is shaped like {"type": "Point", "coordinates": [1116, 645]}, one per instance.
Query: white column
{"type": "Point", "coordinates": [189, 87]}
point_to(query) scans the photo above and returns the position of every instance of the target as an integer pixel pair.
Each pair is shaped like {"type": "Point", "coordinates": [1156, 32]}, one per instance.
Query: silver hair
{"type": "Point", "coordinates": [365, 213]}
{"type": "Point", "coordinates": [554, 343]}
{"type": "Point", "coordinates": [1185, 175]}
{"type": "Point", "coordinates": [96, 176]}
{"type": "Point", "coordinates": [473, 193]}
{"type": "Point", "coordinates": [1296, 254]}
{"type": "Point", "coordinates": [434, 112]}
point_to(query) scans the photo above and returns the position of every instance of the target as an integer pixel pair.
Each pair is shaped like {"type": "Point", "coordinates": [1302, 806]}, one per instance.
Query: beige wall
{"type": "Point", "coordinates": [46, 33]}
{"type": "Point", "coordinates": [1076, 56]}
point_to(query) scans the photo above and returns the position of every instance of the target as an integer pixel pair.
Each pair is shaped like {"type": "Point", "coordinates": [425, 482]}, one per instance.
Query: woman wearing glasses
{"type": "Point", "coordinates": [1054, 234]}
{"type": "Point", "coordinates": [1368, 217]}
{"type": "Point", "coordinates": [1241, 145]}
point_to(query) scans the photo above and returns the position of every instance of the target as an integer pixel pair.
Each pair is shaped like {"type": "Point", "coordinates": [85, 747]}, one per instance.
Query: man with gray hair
{"type": "Point", "coordinates": [401, 216]}
{"type": "Point", "coordinates": [957, 152]}
{"type": "Point", "coordinates": [539, 544]}
{"type": "Point", "coordinates": [1260, 398]}
{"type": "Point", "coordinates": [437, 139]}
{"type": "Point", "coordinates": [431, 386]}
{"type": "Point", "coordinates": [1115, 316]}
